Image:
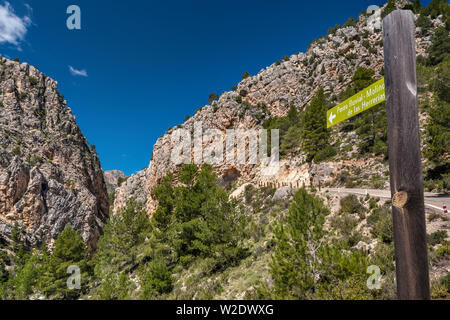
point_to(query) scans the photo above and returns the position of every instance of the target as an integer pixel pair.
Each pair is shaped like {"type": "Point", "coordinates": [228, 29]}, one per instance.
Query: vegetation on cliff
{"type": "Point", "coordinates": [202, 244]}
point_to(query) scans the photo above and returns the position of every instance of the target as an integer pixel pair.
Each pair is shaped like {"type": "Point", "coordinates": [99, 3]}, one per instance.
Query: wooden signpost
{"type": "Point", "coordinates": [399, 90]}
{"type": "Point", "coordinates": [410, 236]}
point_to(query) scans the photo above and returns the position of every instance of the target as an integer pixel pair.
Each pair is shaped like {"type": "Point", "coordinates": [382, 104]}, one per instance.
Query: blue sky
{"type": "Point", "coordinates": [139, 67]}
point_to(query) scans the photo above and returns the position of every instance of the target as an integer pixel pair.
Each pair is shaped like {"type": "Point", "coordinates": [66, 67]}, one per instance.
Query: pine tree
{"type": "Point", "coordinates": [17, 247]}
{"type": "Point", "coordinates": [315, 133]}
{"type": "Point", "coordinates": [291, 140]}
{"type": "Point", "coordinates": [438, 125]}
{"type": "Point", "coordinates": [4, 259]}
{"type": "Point", "coordinates": [437, 7]}
{"type": "Point", "coordinates": [440, 46]}
{"type": "Point", "coordinates": [290, 137]}
{"type": "Point", "coordinates": [246, 75]}
{"type": "Point", "coordinates": [388, 9]}
{"type": "Point", "coordinates": [293, 116]}
{"type": "Point", "coordinates": [165, 195]}
{"type": "Point", "coordinates": [299, 245]}
{"type": "Point", "coordinates": [115, 287]}
{"type": "Point", "coordinates": [70, 250]}
{"type": "Point", "coordinates": [26, 280]}
{"type": "Point", "coordinates": [212, 97]}
{"type": "Point", "coordinates": [156, 280]}
{"type": "Point", "coordinates": [370, 125]}
{"type": "Point", "coordinates": [123, 240]}
{"type": "Point", "coordinates": [203, 223]}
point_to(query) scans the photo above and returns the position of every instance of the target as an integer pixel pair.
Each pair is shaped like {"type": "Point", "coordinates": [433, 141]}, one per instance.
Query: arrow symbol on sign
{"type": "Point", "coordinates": [332, 117]}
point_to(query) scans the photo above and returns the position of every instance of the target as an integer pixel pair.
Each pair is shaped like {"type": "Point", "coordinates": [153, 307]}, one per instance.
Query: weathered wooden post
{"type": "Point", "coordinates": [408, 209]}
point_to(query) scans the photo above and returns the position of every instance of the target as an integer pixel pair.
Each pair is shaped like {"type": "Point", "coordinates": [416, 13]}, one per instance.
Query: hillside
{"type": "Point", "coordinates": [225, 230]}
{"type": "Point", "coordinates": [262, 100]}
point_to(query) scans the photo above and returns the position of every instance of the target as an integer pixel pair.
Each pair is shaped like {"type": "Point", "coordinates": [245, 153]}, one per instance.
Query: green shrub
{"type": "Point", "coordinates": [372, 204]}
{"type": "Point", "coordinates": [61, 98]}
{"type": "Point", "coordinates": [246, 75]}
{"type": "Point", "coordinates": [212, 97]}
{"type": "Point", "coordinates": [324, 154]}
{"type": "Point", "coordinates": [445, 281]}
{"type": "Point", "coordinates": [384, 257]}
{"type": "Point", "coordinates": [345, 224]}
{"type": "Point", "coordinates": [16, 151]}
{"type": "Point", "coordinates": [437, 237]}
{"type": "Point", "coordinates": [424, 22]}
{"type": "Point", "coordinates": [414, 6]}
{"type": "Point", "coordinates": [332, 31]}
{"type": "Point", "coordinates": [115, 287]}
{"type": "Point", "coordinates": [351, 22]}
{"type": "Point", "coordinates": [352, 288]}
{"type": "Point", "coordinates": [366, 44]}
{"type": "Point", "coordinates": [441, 252]}
{"type": "Point", "coordinates": [121, 180]}
{"type": "Point", "coordinates": [156, 280]}
{"type": "Point", "coordinates": [351, 205]}
{"type": "Point", "coordinates": [383, 229]}
{"type": "Point", "coordinates": [433, 216]}
{"type": "Point", "coordinates": [33, 81]}
{"type": "Point", "coordinates": [22, 96]}
{"type": "Point", "coordinates": [440, 288]}
{"type": "Point", "coordinates": [388, 9]}
{"type": "Point", "coordinates": [249, 193]}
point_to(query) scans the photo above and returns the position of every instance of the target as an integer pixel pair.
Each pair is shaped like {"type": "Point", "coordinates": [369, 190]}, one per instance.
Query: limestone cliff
{"type": "Point", "coordinates": [329, 62]}
{"type": "Point", "coordinates": [113, 179]}
{"type": "Point", "coordinates": [49, 176]}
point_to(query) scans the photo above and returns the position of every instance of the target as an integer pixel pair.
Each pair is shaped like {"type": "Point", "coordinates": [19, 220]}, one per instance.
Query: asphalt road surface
{"type": "Point", "coordinates": [432, 200]}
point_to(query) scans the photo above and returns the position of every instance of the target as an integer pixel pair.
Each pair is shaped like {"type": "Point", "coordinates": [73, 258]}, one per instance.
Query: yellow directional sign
{"type": "Point", "coordinates": [363, 100]}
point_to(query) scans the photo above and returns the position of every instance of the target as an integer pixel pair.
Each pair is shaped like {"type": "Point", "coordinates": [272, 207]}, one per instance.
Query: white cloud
{"type": "Point", "coordinates": [12, 28]}
{"type": "Point", "coordinates": [75, 72]}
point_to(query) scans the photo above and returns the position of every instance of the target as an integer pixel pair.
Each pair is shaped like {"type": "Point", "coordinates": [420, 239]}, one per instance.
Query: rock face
{"type": "Point", "coordinates": [112, 179]}
{"type": "Point", "coordinates": [133, 187]}
{"type": "Point", "coordinates": [329, 62]}
{"type": "Point", "coordinates": [282, 193]}
{"type": "Point", "coordinates": [49, 176]}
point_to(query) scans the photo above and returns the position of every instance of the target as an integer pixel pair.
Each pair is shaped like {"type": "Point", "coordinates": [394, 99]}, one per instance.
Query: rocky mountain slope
{"type": "Point", "coordinates": [329, 63]}
{"type": "Point", "coordinates": [49, 176]}
{"type": "Point", "coordinates": [113, 179]}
